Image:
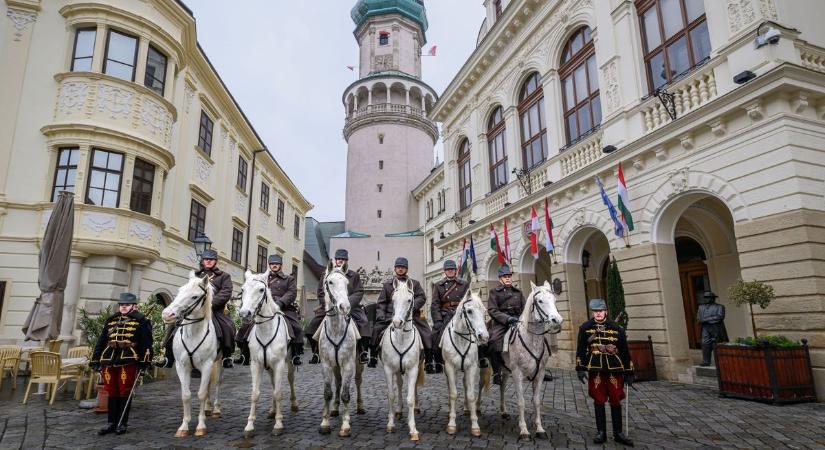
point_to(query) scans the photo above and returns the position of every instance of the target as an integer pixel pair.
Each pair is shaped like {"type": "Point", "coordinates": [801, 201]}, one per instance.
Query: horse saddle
{"type": "Point", "coordinates": [319, 332]}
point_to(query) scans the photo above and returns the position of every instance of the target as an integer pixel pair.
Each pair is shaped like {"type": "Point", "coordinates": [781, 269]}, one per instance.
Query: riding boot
{"type": "Point", "coordinates": [374, 352]}
{"type": "Point", "coordinates": [243, 358]}
{"type": "Point", "coordinates": [548, 376]}
{"type": "Point", "coordinates": [313, 345]}
{"type": "Point", "coordinates": [616, 416]}
{"type": "Point", "coordinates": [429, 365]}
{"type": "Point", "coordinates": [601, 424]}
{"type": "Point", "coordinates": [124, 411]}
{"type": "Point", "coordinates": [111, 427]}
{"type": "Point", "coordinates": [706, 352]}
{"type": "Point", "coordinates": [297, 350]}
{"type": "Point", "coordinates": [439, 360]}
{"type": "Point", "coordinates": [363, 350]}
{"type": "Point", "coordinates": [497, 362]}
{"type": "Point", "coordinates": [483, 361]}
{"type": "Point", "coordinates": [227, 357]}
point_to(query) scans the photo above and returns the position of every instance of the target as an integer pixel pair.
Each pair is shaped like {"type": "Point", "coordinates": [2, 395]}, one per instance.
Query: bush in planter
{"type": "Point", "coordinates": [752, 293]}
{"type": "Point", "coordinates": [769, 341]}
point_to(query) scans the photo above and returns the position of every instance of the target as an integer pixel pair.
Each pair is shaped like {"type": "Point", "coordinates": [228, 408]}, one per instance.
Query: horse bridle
{"type": "Point", "coordinates": [545, 318]}
{"type": "Point", "coordinates": [261, 303]}
{"type": "Point", "coordinates": [332, 312]}
{"type": "Point", "coordinates": [399, 352]}
{"type": "Point", "coordinates": [180, 324]}
{"type": "Point", "coordinates": [469, 336]}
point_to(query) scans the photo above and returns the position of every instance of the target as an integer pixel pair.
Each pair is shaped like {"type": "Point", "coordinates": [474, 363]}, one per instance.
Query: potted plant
{"type": "Point", "coordinates": [764, 368]}
{"type": "Point", "coordinates": [641, 352]}
{"type": "Point", "coordinates": [153, 310]}
{"type": "Point", "coordinates": [91, 325]}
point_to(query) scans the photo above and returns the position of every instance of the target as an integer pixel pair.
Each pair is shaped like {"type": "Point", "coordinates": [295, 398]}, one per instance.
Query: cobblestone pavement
{"type": "Point", "coordinates": [663, 415]}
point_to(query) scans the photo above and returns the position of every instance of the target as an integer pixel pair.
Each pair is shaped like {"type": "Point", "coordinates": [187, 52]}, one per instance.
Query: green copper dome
{"type": "Point", "coordinates": [411, 9]}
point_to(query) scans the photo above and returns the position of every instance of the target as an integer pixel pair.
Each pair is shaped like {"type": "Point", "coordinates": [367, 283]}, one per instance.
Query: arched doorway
{"type": "Point", "coordinates": [694, 279]}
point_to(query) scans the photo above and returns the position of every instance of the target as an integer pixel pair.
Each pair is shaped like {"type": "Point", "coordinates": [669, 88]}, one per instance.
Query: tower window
{"type": "Point", "coordinates": [380, 188]}
{"type": "Point", "coordinates": [379, 213]}
{"type": "Point", "coordinates": [381, 164]}
{"type": "Point", "coordinates": [383, 38]}
{"type": "Point", "coordinates": [381, 138]}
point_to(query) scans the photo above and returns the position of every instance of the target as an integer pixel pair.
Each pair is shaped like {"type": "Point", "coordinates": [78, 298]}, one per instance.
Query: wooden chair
{"type": "Point", "coordinates": [24, 357]}
{"type": "Point", "coordinates": [46, 369]}
{"type": "Point", "coordinates": [9, 361]}
{"type": "Point", "coordinates": [80, 370]}
{"type": "Point", "coordinates": [54, 346]}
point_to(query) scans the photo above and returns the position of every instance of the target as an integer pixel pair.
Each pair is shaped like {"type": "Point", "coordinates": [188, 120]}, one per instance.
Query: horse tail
{"type": "Point", "coordinates": [420, 380]}
{"type": "Point", "coordinates": [486, 376]}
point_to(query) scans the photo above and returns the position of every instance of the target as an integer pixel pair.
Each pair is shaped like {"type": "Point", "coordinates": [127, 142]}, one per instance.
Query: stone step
{"type": "Point", "coordinates": [704, 376]}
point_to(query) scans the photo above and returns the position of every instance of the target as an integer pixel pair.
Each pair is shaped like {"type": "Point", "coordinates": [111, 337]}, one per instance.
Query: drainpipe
{"type": "Point", "coordinates": [249, 209]}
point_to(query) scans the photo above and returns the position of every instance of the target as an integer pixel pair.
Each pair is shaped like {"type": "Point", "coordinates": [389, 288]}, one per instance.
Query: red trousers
{"type": "Point", "coordinates": [118, 380]}
{"type": "Point", "coordinates": [606, 386]}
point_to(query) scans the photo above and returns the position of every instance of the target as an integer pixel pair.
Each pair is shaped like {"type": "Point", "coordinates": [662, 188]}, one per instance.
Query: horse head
{"type": "Point", "coordinates": [336, 286]}
{"type": "Point", "coordinates": [402, 301]}
{"type": "Point", "coordinates": [543, 308]}
{"type": "Point", "coordinates": [471, 310]}
{"type": "Point", "coordinates": [195, 293]}
{"type": "Point", "coordinates": [255, 296]}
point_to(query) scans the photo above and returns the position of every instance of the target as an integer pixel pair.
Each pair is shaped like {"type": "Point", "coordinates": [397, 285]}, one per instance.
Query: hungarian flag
{"type": "Point", "coordinates": [548, 229]}
{"type": "Point", "coordinates": [494, 245]}
{"type": "Point", "coordinates": [507, 255]}
{"type": "Point", "coordinates": [624, 201]}
{"type": "Point", "coordinates": [471, 252]}
{"type": "Point", "coordinates": [462, 260]}
{"type": "Point", "coordinates": [352, 68]}
{"type": "Point", "coordinates": [614, 215]}
{"type": "Point", "coordinates": [534, 233]}
{"type": "Point", "coordinates": [433, 49]}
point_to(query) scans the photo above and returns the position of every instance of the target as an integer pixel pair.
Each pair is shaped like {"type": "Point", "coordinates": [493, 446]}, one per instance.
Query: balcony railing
{"type": "Point", "coordinates": [495, 202]}
{"type": "Point", "coordinates": [382, 108]}
{"type": "Point", "coordinates": [690, 93]}
{"type": "Point", "coordinates": [416, 116]}
{"type": "Point", "coordinates": [581, 155]}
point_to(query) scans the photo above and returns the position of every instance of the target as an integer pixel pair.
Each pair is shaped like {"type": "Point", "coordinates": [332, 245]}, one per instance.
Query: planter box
{"type": "Point", "coordinates": [641, 353]}
{"type": "Point", "coordinates": [773, 375]}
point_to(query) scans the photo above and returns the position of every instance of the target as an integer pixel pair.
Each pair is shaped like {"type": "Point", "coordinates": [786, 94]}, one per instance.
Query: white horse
{"type": "Point", "coordinates": [459, 347]}
{"type": "Point", "coordinates": [400, 354]}
{"type": "Point", "coordinates": [529, 352]}
{"type": "Point", "coordinates": [337, 338]}
{"type": "Point", "coordinates": [268, 345]}
{"type": "Point", "coordinates": [195, 346]}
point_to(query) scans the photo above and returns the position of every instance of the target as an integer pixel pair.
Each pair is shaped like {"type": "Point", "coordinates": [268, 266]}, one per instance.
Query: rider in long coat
{"type": "Point", "coordinates": [284, 291]}
{"type": "Point", "coordinates": [447, 294]}
{"type": "Point", "coordinates": [355, 293]}
{"type": "Point", "coordinates": [505, 305]}
{"type": "Point", "coordinates": [224, 327]}
{"type": "Point", "coordinates": [384, 313]}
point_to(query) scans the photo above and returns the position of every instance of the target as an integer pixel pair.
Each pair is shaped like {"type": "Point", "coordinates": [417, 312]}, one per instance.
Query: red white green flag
{"type": "Point", "coordinates": [548, 229]}
{"type": "Point", "coordinates": [507, 254]}
{"type": "Point", "coordinates": [494, 245]}
{"type": "Point", "coordinates": [624, 202]}
{"type": "Point", "coordinates": [534, 233]}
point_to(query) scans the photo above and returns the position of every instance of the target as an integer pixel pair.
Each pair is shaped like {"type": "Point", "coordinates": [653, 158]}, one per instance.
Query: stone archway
{"type": "Point", "coordinates": [586, 250]}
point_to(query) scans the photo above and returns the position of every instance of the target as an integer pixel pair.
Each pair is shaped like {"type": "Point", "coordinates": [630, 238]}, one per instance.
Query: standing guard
{"type": "Point", "coordinates": [123, 348]}
{"type": "Point", "coordinates": [603, 360]}
{"type": "Point", "coordinates": [505, 305]}
{"type": "Point", "coordinates": [355, 292]}
{"type": "Point", "coordinates": [712, 317]}
{"type": "Point", "coordinates": [447, 294]}
{"type": "Point", "coordinates": [384, 312]}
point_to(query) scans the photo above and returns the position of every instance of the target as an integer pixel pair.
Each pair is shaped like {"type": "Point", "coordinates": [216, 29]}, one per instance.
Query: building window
{"type": "Point", "coordinates": [66, 171]}
{"type": "Point", "coordinates": [381, 165]}
{"type": "Point", "coordinates": [243, 166]}
{"type": "Point", "coordinates": [121, 55]}
{"type": "Point", "coordinates": [378, 255]}
{"type": "Point", "coordinates": [429, 210]}
{"type": "Point", "coordinates": [379, 213]}
{"type": "Point", "coordinates": [465, 188]}
{"type": "Point", "coordinates": [143, 181]}
{"type": "Point", "coordinates": [264, 197]}
{"type": "Point", "coordinates": [383, 38]}
{"type": "Point", "coordinates": [105, 172]}
{"type": "Point", "coordinates": [237, 245]}
{"type": "Point", "coordinates": [432, 250]}
{"type": "Point", "coordinates": [675, 38]}
{"type": "Point", "coordinates": [498, 155]}
{"type": "Point", "coordinates": [297, 228]}
{"type": "Point", "coordinates": [205, 133]}
{"type": "Point", "coordinates": [279, 216]}
{"type": "Point", "coordinates": [197, 220]}
{"type": "Point", "coordinates": [84, 49]}
{"type": "Point", "coordinates": [497, 5]}
{"type": "Point", "coordinates": [262, 258]}
{"type": "Point", "coordinates": [531, 116]}
{"type": "Point", "coordinates": [580, 85]}
{"type": "Point", "coordinates": [380, 188]}
{"type": "Point", "coordinates": [155, 71]}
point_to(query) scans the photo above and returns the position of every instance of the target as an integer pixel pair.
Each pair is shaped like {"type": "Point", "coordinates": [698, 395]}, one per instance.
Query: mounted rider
{"type": "Point", "coordinates": [224, 327]}
{"type": "Point", "coordinates": [284, 291]}
{"type": "Point", "coordinates": [122, 350]}
{"type": "Point", "coordinates": [603, 361]}
{"type": "Point", "coordinates": [384, 312]}
{"type": "Point", "coordinates": [505, 305]}
{"type": "Point", "coordinates": [355, 292]}
{"type": "Point", "coordinates": [447, 295]}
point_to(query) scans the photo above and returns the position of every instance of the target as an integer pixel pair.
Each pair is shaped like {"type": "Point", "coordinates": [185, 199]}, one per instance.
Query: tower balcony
{"type": "Point", "coordinates": [389, 112]}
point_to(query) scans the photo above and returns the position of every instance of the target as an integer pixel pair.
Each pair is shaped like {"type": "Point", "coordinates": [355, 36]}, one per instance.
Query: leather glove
{"type": "Point", "coordinates": [512, 321]}
{"type": "Point", "coordinates": [629, 378]}
{"type": "Point", "coordinates": [582, 374]}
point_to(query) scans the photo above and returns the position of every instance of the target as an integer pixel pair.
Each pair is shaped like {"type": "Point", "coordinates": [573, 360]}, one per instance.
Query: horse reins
{"type": "Point", "coordinates": [537, 359]}
{"type": "Point", "coordinates": [470, 340]}
{"type": "Point", "coordinates": [180, 324]}
{"type": "Point", "coordinates": [261, 302]}
{"type": "Point", "coordinates": [404, 353]}
{"type": "Point", "coordinates": [331, 313]}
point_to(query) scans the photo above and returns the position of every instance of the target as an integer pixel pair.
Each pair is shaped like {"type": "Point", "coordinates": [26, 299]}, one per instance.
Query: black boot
{"type": "Point", "coordinates": [111, 427]}
{"type": "Point", "coordinates": [124, 410]}
{"type": "Point", "coordinates": [548, 376]}
{"type": "Point", "coordinates": [429, 364]}
{"type": "Point", "coordinates": [373, 357]}
{"type": "Point", "coordinates": [706, 352]}
{"type": "Point", "coordinates": [227, 358]}
{"type": "Point", "coordinates": [313, 345]}
{"type": "Point", "coordinates": [363, 350]}
{"type": "Point", "coordinates": [497, 362]}
{"type": "Point", "coordinates": [618, 436]}
{"type": "Point", "coordinates": [601, 424]}
{"type": "Point", "coordinates": [297, 351]}
{"type": "Point", "coordinates": [243, 358]}
{"type": "Point", "coordinates": [439, 360]}
{"type": "Point", "coordinates": [483, 360]}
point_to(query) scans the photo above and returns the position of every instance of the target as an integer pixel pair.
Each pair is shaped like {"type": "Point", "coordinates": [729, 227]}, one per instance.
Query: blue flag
{"type": "Point", "coordinates": [611, 209]}
{"type": "Point", "coordinates": [473, 256]}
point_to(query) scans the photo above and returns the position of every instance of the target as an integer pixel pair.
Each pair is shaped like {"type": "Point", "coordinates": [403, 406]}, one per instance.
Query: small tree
{"type": "Point", "coordinates": [752, 293]}
{"type": "Point", "coordinates": [615, 295]}
{"type": "Point", "coordinates": [91, 325]}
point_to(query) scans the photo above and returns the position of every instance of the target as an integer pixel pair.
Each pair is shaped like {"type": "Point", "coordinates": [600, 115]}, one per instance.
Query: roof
{"type": "Point", "coordinates": [412, 233]}
{"type": "Point", "coordinates": [411, 9]}
{"type": "Point", "coordinates": [351, 234]}
{"type": "Point", "coordinates": [317, 238]}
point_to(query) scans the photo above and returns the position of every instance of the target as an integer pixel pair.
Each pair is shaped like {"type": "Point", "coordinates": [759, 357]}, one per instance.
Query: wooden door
{"type": "Point", "coordinates": [695, 281]}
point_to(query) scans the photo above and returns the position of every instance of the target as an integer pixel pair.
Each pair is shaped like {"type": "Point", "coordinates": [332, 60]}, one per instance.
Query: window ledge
{"type": "Point", "coordinates": [263, 211]}
{"type": "Point", "coordinates": [204, 155]}
{"type": "Point", "coordinates": [240, 190]}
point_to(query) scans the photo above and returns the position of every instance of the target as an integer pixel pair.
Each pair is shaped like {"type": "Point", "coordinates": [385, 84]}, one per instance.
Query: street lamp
{"type": "Point", "coordinates": [524, 177]}
{"type": "Point", "coordinates": [201, 244]}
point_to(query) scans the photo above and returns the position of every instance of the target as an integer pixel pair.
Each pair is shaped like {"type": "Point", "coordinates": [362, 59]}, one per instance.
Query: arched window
{"type": "Point", "coordinates": [465, 191]}
{"type": "Point", "coordinates": [531, 115]}
{"type": "Point", "coordinates": [498, 156]}
{"type": "Point", "coordinates": [580, 85]}
{"type": "Point", "coordinates": [675, 37]}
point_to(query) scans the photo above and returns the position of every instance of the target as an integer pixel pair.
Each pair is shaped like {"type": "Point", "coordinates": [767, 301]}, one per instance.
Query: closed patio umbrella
{"type": "Point", "coordinates": [44, 318]}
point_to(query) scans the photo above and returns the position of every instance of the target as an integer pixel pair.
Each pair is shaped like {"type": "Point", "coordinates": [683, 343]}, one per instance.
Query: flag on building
{"type": "Point", "coordinates": [473, 256]}
{"type": "Point", "coordinates": [433, 50]}
{"type": "Point", "coordinates": [462, 260]}
{"type": "Point", "coordinates": [624, 202]}
{"type": "Point", "coordinates": [494, 244]}
{"type": "Point", "coordinates": [352, 68]}
{"type": "Point", "coordinates": [548, 229]}
{"type": "Point", "coordinates": [619, 228]}
{"type": "Point", "coordinates": [507, 255]}
{"type": "Point", "coordinates": [535, 229]}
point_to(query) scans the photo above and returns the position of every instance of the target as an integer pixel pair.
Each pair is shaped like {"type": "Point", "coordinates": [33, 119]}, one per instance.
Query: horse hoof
{"type": "Point", "coordinates": [333, 414]}
{"type": "Point", "coordinates": [476, 432]}
{"type": "Point", "coordinates": [361, 411]}
{"type": "Point", "coordinates": [270, 415]}
{"type": "Point", "coordinates": [182, 433]}
{"type": "Point", "coordinates": [277, 431]}
{"type": "Point", "coordinates": [542, 435]}
{"type": "Point", "coordinates": [200, 432]}
{"type": "Point", "coordinates": [248, 434]}
{"type": "Point", "coordinates": [324, 430]}
{"type": "Point", "coordinates": [344, 433]}
{"type": "Point", "coordinates": [399, 415]}
{"type": "Point", "coordinates": [294, 408]}
{"type": "Point", "coordinates": [452, 430]}
{"type": "Point", "coordinates": [216, 415]}
{"type": "Point", "coordinates": [390, 429]}
{"type": "Point", "coordinates": [524, 437]}
{"type": "Point", "coordinates": [505, 416]}
{"type": "Point", "coordinates": [414, 437]}
{"type": "Point", "coordinates": [208, 413]}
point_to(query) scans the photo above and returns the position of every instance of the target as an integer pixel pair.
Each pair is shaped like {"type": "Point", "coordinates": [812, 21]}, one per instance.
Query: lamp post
{"type": "Point", "coordinates": [201, 243]}
{"type": "Point", "coordinates": [523, 176]}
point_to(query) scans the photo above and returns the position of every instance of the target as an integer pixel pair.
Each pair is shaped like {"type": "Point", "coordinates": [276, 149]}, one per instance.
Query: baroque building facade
{"type": "Point", "coordinates": [564, 91]}
{"type": "Point", "coordinates": [116, 101]}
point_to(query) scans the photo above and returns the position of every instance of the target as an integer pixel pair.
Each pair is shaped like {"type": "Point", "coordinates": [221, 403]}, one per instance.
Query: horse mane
{"type": "Point", "coordinates": [528, 307]}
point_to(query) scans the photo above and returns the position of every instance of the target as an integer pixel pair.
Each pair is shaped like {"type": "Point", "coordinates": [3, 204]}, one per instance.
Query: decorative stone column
{"type": "Point", "coordinates": [137, 277]}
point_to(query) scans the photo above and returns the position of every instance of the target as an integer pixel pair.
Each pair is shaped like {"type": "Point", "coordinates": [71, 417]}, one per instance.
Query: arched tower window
{"type": "Point", "coordinates": [498, 155]}
{"type": "Point", "coordinates": [465, 191]}
{"type": "Point", "coordinates": [531, 116]}
{"type": "Point", "coordinates": [580, 85]}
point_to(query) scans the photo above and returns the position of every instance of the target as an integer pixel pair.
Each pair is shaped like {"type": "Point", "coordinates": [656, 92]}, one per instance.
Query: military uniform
{"type": "Point", "coordinates": [505, 305]}
{"type": "Point", "coordinates": [603, 358]}
{"type": "Point", "coordinates": [123, 348]}
{"type": "Point", "coordinates": [447, 294]}
{"type": "Point", "coordinates": [712, 317]}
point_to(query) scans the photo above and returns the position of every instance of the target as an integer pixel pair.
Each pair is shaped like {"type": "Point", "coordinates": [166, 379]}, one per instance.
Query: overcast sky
{"type": "Point", "coordinates": [285, 63]}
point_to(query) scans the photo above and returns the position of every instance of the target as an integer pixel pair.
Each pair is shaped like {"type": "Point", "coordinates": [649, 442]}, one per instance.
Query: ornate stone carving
{"type": "Point", "coordinates": [141, 230]}
{"type": "Point", "coordinates": [610, 78]}
{"type": "Point", "coordinates": [719, 128]}
{"type": "Point", "coordinates": [117, 101]}
{"type": "Point", "coordinates": [99, 222]}
{"type": "Point", "coordinates": [158, 119]}
{"type": "Point", "coordinates": [202, 169]}
{"type": "Point", "coordinates": [578, 217]}
{"type": "Point", "coordinates": [189, 93]}
{"type": "Point", "coordinates": [20, 20]}
{"type": "Point", "coordinates": [679, 179]}
{"type": "Point", "coordinates": [740, 14]}
{"type": "Point", "coordinates": [687, 141]}
{"type": "Point", "coordinates": [768, 9]}
{"type": "Point", "coordinates": [72, 97]}
{"type": "Point", "coordinates": [375, 278]}
{"type": "Point", "coordinates": [383, 62]}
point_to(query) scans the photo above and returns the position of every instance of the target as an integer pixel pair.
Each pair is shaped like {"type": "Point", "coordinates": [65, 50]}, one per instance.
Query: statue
{"type": "Point", "coordinates": [712, 317]}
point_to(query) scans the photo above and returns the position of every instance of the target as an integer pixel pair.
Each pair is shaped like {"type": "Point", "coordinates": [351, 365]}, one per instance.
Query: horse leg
{"type": "Point", "coordinates": [466, 398]}
{"type": "Point", "coordinates": [256, 371]}
{"type": "Point", "coordinates": [399, 383]}
{"type": "Point", "coordinates": [538, 390]}
{"type": "Point", "coordinates": [271, 374]}
{"type": "Point", "coordinates": [290, 375]}
{"type": "Point", "coordinates": [203, 393]}
{"type": "Point", "coordinates": [470, 379]}
{"type": "Point", "coordinates": [184, 374]}
{"type": "Point", "coordinates": [327, 370]}
{"type": "Point", "coordinates": [449, 369]}
{"type": "Point", "coordinates": [522, 424]}
{"type": "Point", "coordinates": [277, 397]}
{"type": "Point", "coordinates": [390, 397]}
{"type": "Point", "coordinates": [502, 403]}
{"type": "Point", "coordinates": [337, 392]}
{"type": "Point", "coordinates": [412, 377]}
{"type": "Point", "coordinates": [359, 376]}
{"type": "Point", "coordinates": [347, 376]}
{"type": "Point", "coordinates": [217, 381]}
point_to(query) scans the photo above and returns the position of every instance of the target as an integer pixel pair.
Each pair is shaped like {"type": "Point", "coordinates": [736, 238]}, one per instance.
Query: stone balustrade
{"type": "Point", "coordinates": [689, 93]}
{"type": "Point", "coordinates": [581, 154]}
